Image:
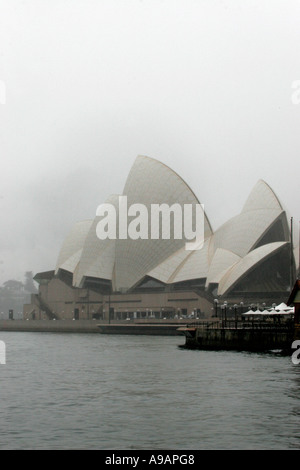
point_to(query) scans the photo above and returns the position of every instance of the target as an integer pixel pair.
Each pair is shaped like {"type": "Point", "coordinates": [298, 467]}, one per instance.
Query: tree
{"type": "Point", "coordinates": [29, 284]}
{"type": "Point", "coordinates": [14, 294]}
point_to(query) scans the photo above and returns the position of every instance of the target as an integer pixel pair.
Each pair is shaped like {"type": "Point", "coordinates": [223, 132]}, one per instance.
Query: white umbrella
{"type": "Point", "coordinates": [282, 306]}
{"type": "Point", "coordinates": [256, 312]}
{"type": "Point", "coordinates": [283, 312]}
{"type": "Point", "coordinates": [266, 312]}
{"type": "Point", "coordinates": [275, 311]}
{"type": "Point", "coordinates": [250, 312]}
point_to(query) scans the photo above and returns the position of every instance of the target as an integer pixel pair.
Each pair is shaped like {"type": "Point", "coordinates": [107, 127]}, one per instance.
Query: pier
{"type": "Point", "coordinates": [272, 331]}
{"type": "Point", "coordinates": [240, 335]}
{"type": "Point", "coordinates": [153, 328]}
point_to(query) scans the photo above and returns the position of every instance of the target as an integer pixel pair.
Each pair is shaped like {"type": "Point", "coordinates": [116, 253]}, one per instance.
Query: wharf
{"type": "Point", "coordinates": [162, 327]}
{"type": "Point", "coordinates": [239, 335]}
{"type": "Point", "coordinates": [50, 326]}
{"type": "Point", "coordinates": [247, 335]}
{"type": "Point", "coordinates": [157, 329]}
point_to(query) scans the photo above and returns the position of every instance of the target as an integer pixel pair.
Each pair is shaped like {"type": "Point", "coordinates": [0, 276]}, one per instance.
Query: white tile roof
{"type": "Point", "coordinates": [225, 257]}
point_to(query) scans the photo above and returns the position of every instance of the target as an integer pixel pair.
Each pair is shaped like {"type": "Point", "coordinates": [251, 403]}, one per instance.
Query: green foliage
{"type": "Point", "coordinates": [14, 294]}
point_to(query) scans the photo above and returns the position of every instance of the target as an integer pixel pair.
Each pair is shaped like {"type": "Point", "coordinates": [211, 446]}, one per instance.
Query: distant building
{"type": "Point", "coordinates": [248, 259]}
{"type": "Point", "coordinates": [13, 295]}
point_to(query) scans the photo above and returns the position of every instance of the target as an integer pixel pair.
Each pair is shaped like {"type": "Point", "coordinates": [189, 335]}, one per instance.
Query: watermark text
{"type": "Point", "coordinates": [296, 354]}
{"type": "Point", "coordinates": [2, 352]}
{"type": "Point", "coordinates": [156, 221]}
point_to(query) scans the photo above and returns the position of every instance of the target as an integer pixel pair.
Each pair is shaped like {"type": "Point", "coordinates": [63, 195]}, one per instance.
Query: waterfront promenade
{"type": "Point", "coordinates": [153, 327]}
{"type": "Point", "coordinates": [251, 335]}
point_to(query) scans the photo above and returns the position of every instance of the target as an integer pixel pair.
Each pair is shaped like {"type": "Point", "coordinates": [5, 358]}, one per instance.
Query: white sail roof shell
{"type": "Point", "coordinates": [71, 249]}
{"type": "Point", "coordinates": [241, 233]}
{"type": "Point", "coordinates": [71, 263]}
{"type": "Point", "coordinates": [165, 270]}
{"type": "Point", "coordinates": [222, 261]}
{"type": "Point", "coordinates": [251, 260]}
{"type": "Point", "coordinates": [150, 182]}
{"type": "Point", "coordinates": [194, 266]}
{"type": "Point", "coordinates": [226, 256]}
{"type": "Point", "coordinates": [262, 197]}
{"type": "Point", "coordinates": [183, 265]}
{"type": "Point", "coordinates": [98, 256]}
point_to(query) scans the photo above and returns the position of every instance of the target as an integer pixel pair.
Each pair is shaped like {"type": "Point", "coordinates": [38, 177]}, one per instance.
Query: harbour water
{"type": "Point", "coordinates": [92, 391]}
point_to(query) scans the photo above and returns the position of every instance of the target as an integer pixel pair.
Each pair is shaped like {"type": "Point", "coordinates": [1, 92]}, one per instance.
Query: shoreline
{"type": "Point", "coordinates": [155, 327]}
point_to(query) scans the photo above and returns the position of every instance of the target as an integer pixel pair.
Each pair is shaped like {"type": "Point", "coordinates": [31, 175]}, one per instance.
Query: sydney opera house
{"type": "Point", "coordinates": [250, 258]}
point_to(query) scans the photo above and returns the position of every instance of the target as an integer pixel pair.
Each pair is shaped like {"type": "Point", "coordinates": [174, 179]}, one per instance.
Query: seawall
{"type": "Point", "coordinates": [55, 326]}
{"type": "Point", "coordinates": [140, 329]}
{"type": "Point", "coordinates": [92, 326]}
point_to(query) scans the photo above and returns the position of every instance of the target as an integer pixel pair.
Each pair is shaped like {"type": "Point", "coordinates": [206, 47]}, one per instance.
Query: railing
{"type": "Point", "coordinates": [43, 306]}
{"type": "Point", "coordinates": [243, 324]}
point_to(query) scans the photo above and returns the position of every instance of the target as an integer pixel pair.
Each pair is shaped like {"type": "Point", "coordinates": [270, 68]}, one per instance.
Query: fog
{"type": "Point", "coordinates": [207, 87]}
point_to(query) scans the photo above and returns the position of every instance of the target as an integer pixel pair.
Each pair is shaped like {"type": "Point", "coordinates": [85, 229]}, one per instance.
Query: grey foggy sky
{"type": "Point", "coordinates": [205, 86]}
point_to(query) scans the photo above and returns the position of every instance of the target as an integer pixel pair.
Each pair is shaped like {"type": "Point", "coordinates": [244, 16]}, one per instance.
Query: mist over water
{"type": "Point", "coordinates": [210, 88]}
{"type": "Point", "coordinates": [90, 391]}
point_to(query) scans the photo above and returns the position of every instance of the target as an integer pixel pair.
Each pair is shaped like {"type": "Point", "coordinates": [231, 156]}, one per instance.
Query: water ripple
{"type": "Point", "coordinates": [65, 391]}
